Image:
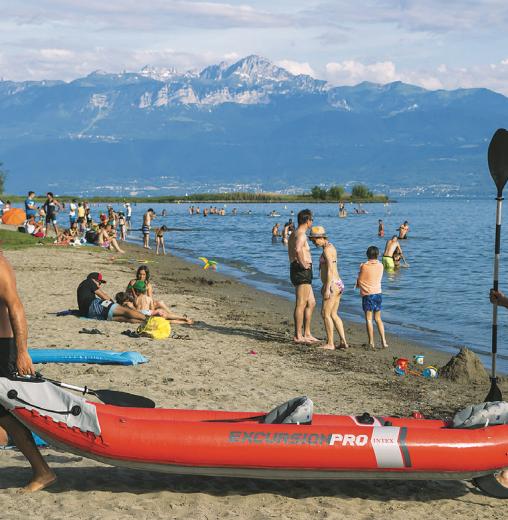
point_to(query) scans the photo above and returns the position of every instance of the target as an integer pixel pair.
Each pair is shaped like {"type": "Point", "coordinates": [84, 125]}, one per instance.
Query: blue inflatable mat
{"type": "Point", "coordinates": [101, 357]}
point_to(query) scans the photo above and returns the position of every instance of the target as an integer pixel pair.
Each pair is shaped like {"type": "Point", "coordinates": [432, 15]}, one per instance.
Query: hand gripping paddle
{"type": "Point", "coordinates": [498, 166]}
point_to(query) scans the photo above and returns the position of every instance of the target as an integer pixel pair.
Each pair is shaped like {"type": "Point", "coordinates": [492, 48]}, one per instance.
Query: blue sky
{"type": "Point", "coordinates": [432, 43]}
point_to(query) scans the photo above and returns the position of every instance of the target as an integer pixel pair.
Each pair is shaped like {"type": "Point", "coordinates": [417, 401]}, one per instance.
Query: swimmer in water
{"type": "Point", "coordinates": [403, 230]}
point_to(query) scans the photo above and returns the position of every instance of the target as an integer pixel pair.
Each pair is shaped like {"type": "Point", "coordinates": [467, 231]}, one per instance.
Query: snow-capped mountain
{"type": "Point", "coordinates": [247, 121]}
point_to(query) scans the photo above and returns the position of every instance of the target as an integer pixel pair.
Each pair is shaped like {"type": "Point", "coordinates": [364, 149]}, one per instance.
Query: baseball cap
{"type": "Point", "coordinates": [96, 276]}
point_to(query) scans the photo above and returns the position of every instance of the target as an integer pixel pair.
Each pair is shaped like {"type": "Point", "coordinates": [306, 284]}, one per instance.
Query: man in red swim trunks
{"type": "Point", "coordinates": [14, 358]}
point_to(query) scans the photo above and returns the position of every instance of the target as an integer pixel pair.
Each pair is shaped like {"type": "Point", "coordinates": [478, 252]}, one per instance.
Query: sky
{"type": "Point", "coordinates": [432, 43]}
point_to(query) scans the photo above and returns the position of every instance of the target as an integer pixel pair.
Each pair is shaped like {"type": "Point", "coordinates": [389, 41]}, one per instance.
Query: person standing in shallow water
{"type": "Point", "coordinates": [14, 358]}
{"type": "Point", "coordinates": [332, 289]}
{"type": "Point", "coordinates": [300, 261]}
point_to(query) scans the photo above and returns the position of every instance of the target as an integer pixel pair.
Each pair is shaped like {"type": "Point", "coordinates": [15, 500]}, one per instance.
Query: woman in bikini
{"type": "Point", "coordinates": [332, 289]}
{"type": "Point", "coordinates": [143, 275]}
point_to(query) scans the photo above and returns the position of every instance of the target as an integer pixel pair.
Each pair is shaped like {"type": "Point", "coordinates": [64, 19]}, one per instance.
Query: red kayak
{"type": "Point", "coordinates": [239, 444]}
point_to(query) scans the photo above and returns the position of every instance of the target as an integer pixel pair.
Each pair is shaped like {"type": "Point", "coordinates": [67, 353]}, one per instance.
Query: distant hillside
{"type": "Point", "coordinates": [247, 124]}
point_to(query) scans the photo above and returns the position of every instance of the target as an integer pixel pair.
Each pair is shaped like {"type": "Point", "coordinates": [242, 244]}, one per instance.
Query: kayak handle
{"type": "Point", "coordinates": [13, 394]}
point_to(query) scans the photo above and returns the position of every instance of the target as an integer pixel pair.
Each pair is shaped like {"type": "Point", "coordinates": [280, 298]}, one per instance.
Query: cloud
{"type": "Point", "coordinates": [489, 75]}
{"type": "Point", "coordinates": [414, 15]}
{"type": "Point", "coordinates": [296, 67]}
{"type": "Point", "coordinates": [351, 72]}
{"type": "Point", "coordinates": [150, 15]}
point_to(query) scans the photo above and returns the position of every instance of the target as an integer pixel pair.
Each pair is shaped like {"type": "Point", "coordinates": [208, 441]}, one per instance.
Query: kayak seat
{"type": "Point", "coordinates": [480, 415]}
{"type": "Point", "coordinates": [295, 411]}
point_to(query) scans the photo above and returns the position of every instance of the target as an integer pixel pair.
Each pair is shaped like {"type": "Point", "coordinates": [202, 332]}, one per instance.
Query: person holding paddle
{"type": "Point", "coordinates": [15, 359]}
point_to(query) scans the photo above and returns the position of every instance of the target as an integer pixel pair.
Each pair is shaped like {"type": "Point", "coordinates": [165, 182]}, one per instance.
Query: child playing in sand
{"type": "Point", "coordinates": [159, 239]}
{"type": "Point", "coordinates": [145, 304]}
{"type": "Point", "coordinates": [369, 282]}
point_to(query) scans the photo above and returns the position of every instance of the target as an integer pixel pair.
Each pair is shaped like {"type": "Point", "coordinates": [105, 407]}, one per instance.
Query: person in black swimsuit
{"type": "Point", "coordinates": [51, 208]}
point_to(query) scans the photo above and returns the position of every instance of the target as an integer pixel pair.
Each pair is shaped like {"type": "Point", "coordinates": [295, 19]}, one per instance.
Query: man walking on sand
{"type": "Point", "coordinates": [14, 358]}
{"type": "Point", "coordinates": [300, 261]}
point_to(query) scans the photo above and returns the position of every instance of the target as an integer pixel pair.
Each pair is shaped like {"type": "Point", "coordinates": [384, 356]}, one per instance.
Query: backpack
{"type": "Point", "coordinates": [155, 327]}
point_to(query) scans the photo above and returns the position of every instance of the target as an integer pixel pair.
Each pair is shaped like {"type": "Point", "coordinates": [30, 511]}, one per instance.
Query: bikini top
{"type": "Point", "coordinates": [322, 259]}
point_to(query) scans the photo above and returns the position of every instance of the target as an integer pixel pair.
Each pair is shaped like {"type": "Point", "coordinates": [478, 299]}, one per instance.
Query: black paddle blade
{"type": "Point", "coordinates": [498, 158]}
{"type": "Point", "coordinates": [494, 392]}
{"type": "Point", "coordinates": [123, 399]}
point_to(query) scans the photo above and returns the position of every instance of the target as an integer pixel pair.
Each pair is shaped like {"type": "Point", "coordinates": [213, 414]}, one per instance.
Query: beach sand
{"type": "Point", "coordinates": [238, 356]}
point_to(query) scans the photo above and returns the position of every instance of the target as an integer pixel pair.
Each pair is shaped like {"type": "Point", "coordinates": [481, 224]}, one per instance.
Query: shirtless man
{"type": "Point", "coordinates": [403, 230]}
{"type": "Point", "coordinates": [300, 261]}
{"type": "Point", "coordinates": [288, 228]}
{"type": "Point", "coordinates": [14, 357]}
{"type": "Point", "coordinates": [145, 228]}
{"type": "Point", "coordinates": [392, 246]}
{"type": "Point", "coordinates": [275, 230]}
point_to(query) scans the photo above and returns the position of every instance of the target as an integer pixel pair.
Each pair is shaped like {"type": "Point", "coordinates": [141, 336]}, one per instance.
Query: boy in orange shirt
{"type": "Point", "coordinates": [369, 283]}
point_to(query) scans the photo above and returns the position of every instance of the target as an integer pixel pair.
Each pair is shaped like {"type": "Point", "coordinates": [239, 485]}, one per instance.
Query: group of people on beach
{"type": "Point", "coordinates": [107, 231]}
{"type": "Point", "coordinates": [133, 305]}
{"type": "Point", "coordinates": [301, 275]}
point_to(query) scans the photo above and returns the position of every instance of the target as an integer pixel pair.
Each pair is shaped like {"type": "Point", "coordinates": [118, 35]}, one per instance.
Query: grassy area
{"type": "Point", "coordinates": [10, 239]}
{"type": "Point", "coordinates": [237, 197]}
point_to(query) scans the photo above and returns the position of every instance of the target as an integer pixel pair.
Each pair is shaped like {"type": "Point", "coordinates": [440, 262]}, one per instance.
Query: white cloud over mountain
{"type": "Point", "coordinates": [435, 44]}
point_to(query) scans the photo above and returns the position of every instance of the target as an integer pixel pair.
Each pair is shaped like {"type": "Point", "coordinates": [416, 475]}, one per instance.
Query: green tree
{"type": "Point", "coordinates": [336, 192]}
{"type": "Point", "coordinates": [318, 193]}
{"type": "Point", "coordinates": [3, 175]}
{"type": "Point", "coordinates": [360, 191]}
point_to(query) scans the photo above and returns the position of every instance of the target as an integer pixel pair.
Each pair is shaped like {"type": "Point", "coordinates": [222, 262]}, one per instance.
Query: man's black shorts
{"type": "Point", "coordinates": [8, 355]}
{"type": "Point", "coordinates": [299, 275]}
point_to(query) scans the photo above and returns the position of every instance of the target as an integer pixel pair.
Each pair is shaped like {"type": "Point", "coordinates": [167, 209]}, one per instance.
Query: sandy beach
{"type": "Point", "coordinates": [237, 356]}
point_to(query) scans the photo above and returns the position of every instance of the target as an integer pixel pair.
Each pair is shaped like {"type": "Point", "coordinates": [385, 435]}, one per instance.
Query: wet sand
{"type": "Point", "coordinates": [238, 356]}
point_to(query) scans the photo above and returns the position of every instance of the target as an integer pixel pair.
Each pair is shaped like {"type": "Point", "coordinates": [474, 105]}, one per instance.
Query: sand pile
{"type": "Point", "coordinates": [465, 368]}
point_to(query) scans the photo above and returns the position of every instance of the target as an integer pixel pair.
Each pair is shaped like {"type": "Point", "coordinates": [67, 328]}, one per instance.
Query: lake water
{"type": "Point", "coordinates": [441, 299]}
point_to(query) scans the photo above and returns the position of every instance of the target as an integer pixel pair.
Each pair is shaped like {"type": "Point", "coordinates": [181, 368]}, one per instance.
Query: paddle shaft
{"type": "Point", "coordinates": [497, 255]}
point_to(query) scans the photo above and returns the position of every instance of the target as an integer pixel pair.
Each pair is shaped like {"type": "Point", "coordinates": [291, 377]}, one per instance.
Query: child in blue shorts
{"type": "Point", "coordinates": [369, 283]}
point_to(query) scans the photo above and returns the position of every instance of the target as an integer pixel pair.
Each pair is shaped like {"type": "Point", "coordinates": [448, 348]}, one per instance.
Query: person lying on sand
{"type": "Point", "coordinates": [93, 302]}
{"type": "Point", "coordinates": [146, 305]}
{"type": "Point", "coordinates": [332, 289]}
{"type": "Point", "coordinates": [14, 358]}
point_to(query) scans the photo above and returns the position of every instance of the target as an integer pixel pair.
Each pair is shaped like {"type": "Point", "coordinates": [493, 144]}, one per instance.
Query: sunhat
{"type": "Point", "coordinates": [317, 232]}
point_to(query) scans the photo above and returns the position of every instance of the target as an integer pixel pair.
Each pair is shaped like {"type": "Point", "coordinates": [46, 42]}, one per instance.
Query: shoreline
{"type": "Point", "coordinates": [238, 356]}
{"type": "Point", "coordinates": [411, 334]}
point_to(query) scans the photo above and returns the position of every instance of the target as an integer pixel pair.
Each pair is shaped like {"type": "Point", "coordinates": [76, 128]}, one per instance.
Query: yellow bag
{"type": "Point", "coordinates": [155, 327]}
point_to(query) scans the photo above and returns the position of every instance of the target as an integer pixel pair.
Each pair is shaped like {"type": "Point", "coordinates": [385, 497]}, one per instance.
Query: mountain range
{"type": "Point", "coordinates": [247, 125]}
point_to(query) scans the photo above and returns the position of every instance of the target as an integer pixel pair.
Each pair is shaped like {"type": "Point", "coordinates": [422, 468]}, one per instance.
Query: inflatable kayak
{"type": "Point", "coordinates": [242, 444]}
{"type": "Point", "coordinates": [102, 357]}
